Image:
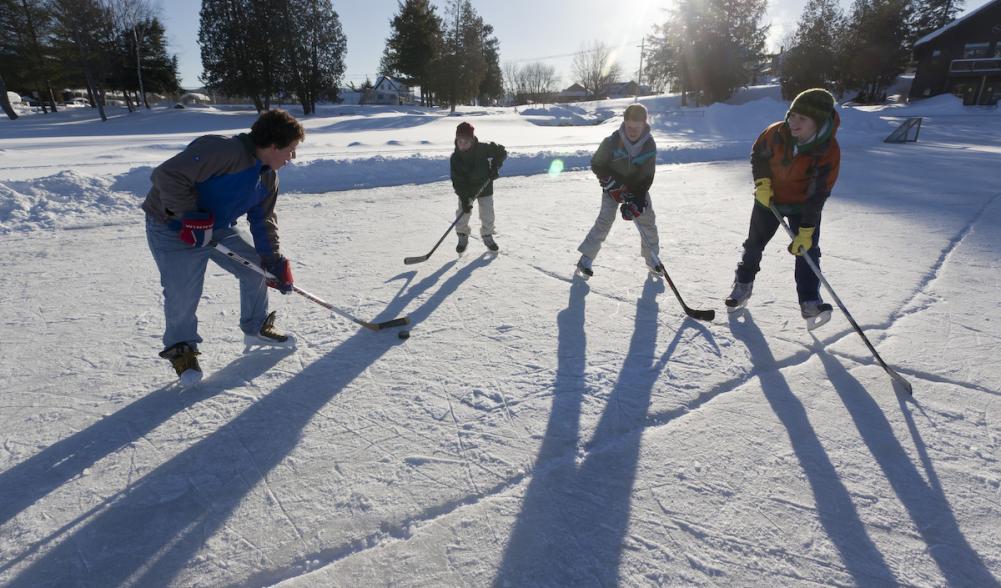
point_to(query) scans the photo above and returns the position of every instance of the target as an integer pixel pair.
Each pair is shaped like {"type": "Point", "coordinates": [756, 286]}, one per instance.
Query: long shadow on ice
{"type": "Point", "coordinates": [574, 516]}
{"type": "Point", "coordinates": [33, 479]}
{"type": "Point", "coordinates": [835, 509]}
{"type": "Point", "coordinates": [150, 534]}
{"type": "Point", "coordinates": [925, 501]}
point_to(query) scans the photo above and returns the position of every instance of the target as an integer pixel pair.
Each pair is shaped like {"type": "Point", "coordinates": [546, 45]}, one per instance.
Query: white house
{"type": "Point", "coordinates": [389, 91]}
{"type": "Point", "coordinates": [194, 98]}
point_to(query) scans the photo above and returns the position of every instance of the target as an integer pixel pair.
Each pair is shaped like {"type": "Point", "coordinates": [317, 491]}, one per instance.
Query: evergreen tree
{"type": "Point", "coordinates": [812, 60]}
{"type": "Point", "coordinates": [462, 65]}
{"type": "Point", "coordinates": [413, 46]}
{"type": "Point", "coordinates": [159, 68]}
{"type": "Point", "coordinates": [709, 47]}
{"type": "Point", "coordinates": [25, 28]}
{"type": "Point", "coordinates": [240, 42]}
{"type": "Point", "coordinates": [5, 100]}
{"type": "Point", "coordinates": [313, 56]}
{"type": "Point", "coordinates": [84, 40]}
{"type": "Point", "coordinates": [492, 86]}
{"type": "Point", "coordinates": [930, 15]}
{"type": "Point", "coordinates": [874, 51]}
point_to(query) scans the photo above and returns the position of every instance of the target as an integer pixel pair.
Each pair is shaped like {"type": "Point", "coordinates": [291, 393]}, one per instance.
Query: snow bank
{"type": "Point", "coordinates": [567, 115]}
{"type": "Point", "coordinates": [60, 200]}
{"type": "Point", "coordinates": [357, 147]}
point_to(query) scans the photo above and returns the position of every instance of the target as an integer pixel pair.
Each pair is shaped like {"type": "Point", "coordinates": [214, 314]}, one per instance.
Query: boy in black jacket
{"type": "Point", "coordinates": [474, 166]}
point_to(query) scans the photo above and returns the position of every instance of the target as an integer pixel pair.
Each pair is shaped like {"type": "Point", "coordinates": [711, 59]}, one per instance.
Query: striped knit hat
{"type": "Point", "coordinates": [815, 103]}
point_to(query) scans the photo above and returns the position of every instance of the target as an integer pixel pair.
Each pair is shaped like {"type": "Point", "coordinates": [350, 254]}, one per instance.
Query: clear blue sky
{"type": "Point", "coordinates": [527, 29]}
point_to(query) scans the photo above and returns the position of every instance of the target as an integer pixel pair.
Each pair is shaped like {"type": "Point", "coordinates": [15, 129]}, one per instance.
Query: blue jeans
{"type": "Point", "coordinates": [182, 275]}
{"type": "Point", "coordinates": [762, 229]}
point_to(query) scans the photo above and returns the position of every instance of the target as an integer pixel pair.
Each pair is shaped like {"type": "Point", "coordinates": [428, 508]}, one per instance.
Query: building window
{"type": "Point", "coordinates": [974, 50]}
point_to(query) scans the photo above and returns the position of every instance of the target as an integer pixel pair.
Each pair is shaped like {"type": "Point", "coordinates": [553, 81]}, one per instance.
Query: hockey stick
{"type": "Point", "coordinates": [423, 258]}
{"type": "Point", "coordinates": [702, 315]}
{"type": "Point", "coordinates": [247, 263]}
{"type": "Point", "coordinates": [813, 266]}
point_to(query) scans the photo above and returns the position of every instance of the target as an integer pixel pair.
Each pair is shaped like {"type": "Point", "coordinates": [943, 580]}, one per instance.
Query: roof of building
{"type": "Point", "coordinates": [936, 33]}
{"type": "Point", "coordinates": [387, 83]}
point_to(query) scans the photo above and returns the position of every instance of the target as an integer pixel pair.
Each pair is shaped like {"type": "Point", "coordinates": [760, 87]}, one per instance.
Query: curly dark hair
{"type": "Point", "coordinates": [276, 127]}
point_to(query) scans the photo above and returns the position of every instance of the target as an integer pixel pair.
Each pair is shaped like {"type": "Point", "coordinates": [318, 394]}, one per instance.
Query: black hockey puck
{"type": "Point", "coordinates": [403, 334]}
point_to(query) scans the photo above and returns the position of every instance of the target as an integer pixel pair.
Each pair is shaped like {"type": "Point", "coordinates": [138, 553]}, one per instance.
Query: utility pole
{"type": "Point", "coordinates": [639, 81]}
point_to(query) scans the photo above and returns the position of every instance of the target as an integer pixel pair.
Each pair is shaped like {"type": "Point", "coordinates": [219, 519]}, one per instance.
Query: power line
{"type": "Point", "coordinates": [575, 53]}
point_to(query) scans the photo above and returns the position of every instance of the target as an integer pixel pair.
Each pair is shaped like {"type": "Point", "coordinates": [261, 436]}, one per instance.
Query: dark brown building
{"type": "Point", "coordinates": [963, 58]}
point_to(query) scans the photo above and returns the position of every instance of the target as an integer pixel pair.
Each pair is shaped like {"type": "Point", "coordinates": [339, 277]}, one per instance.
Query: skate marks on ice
{"type": "Point", "coordinates": [923, 298]}
{"type": "Point", "coordinates": [922, 496]}
{"type": "Point", "coordinates": [172, 511]}
{"type": "Point", "coordinates": [836, 504]}
{"type": "Point", "coordinates": [574, 515]}
{"type": "Point", "coordinates": [575, 512]}
{"type": "Point", "coordinates": [32, 480]}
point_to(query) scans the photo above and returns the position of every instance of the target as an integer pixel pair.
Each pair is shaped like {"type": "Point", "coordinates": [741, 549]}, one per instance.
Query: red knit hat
{"type": "Point", "coordinates": [464, 130]}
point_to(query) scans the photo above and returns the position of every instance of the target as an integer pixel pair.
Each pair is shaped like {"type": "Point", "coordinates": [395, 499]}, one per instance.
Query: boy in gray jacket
{"type": "Point", "coordinates": [197, 197]}
{"type": "Point", "coordinates": [624, 165]}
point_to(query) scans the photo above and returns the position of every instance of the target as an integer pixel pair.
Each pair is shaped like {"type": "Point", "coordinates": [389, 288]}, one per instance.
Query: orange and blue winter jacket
{"type": "Point", "coordinates": [802, 179]}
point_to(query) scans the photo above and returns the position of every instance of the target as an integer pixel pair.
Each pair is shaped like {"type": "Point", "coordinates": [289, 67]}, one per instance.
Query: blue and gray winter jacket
{"type": "Point", "coordinates": [221, 175]}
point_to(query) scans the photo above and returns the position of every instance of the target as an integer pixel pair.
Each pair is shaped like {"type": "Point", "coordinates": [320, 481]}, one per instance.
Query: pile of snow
{"type": "Point", "coordinates": [566, 115]}
{"type": "Point", "coordinates": [356, 147]}
{"type": "Point", "coordinates": [60, 200]}
{"type": "Point", "coordinates": [941, 104]}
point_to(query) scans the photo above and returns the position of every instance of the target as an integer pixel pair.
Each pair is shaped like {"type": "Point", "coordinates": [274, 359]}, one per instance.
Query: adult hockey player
{"type": "Point", "coordinates": [196, 199]}
{"type": "Point", "coordinates": [795, 164]}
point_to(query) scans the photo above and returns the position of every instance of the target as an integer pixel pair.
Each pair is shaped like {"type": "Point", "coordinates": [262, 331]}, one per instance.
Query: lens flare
{"type": "Point", "coordinates": [555, 168]}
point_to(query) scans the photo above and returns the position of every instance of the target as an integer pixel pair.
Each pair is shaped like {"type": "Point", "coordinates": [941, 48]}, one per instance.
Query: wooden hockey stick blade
{"type": "Point", "coordinates": [413, 260]}
{"type": "Point", "coordinates": [702, 315]}
{"type": "Point", "coordinates": [396, 322]}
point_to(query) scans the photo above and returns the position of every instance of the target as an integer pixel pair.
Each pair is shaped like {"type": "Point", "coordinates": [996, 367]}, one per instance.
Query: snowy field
{"type": "Point", "coordinates": [534, 430]}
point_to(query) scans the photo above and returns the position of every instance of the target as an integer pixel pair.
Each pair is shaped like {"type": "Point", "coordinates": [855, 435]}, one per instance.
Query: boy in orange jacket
{"type": "Point", "coordinates": [795, 164]}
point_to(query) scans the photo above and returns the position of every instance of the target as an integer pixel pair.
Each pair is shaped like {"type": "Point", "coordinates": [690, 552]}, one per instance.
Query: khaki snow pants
{"type": "Point", "coordinates": [486, 206]}
{"type": "Point", "coordinates": [646, 222]}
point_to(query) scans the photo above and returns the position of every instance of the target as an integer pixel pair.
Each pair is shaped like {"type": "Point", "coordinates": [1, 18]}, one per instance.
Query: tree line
{"type": "Point", "coordinates": [707, 49]}
{"type": "Point", "coordinates": [272, 49]}
{"type": "Point", "coordinates": [264, 50]}
{"type": "Point", "coordinates": [101, 45]}
{"type": "Point", "coordinates": [454, 58]}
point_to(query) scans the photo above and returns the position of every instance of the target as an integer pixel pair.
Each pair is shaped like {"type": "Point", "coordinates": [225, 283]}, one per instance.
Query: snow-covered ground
{"type": "Point", "coordinates": [534, 430]}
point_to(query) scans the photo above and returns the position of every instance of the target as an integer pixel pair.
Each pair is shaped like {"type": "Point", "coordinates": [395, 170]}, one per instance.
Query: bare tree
{"type": "Point", "coordinates": [536, 82]}
{"type": "Point", "coordinates": [511, 80]}
{"type": "Point", "coordinates": [594, 68]}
